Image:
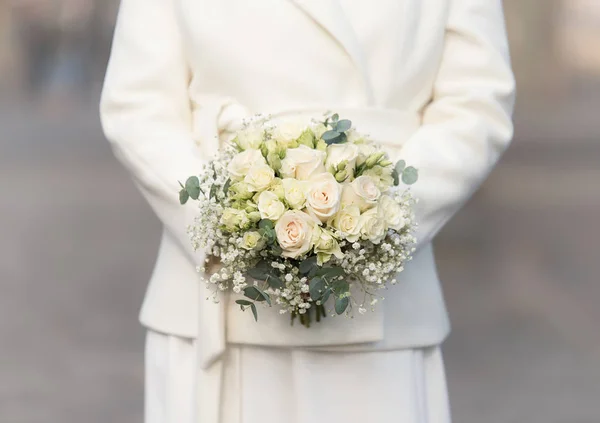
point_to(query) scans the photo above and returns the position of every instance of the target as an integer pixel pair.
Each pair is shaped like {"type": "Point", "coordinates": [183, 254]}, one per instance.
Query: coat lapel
{"type": "Point", "coordinates": [332, 18]}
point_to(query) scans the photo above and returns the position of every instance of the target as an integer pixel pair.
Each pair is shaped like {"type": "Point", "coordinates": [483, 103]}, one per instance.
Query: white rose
{"type": "Point", "coordinates": [234, 219]}
{"type": "Point", "coordinates": [287, 132]}
{"type": "Point", "coordinates": [259, 177]}
{"type": "Point", "coordinates": [382, 176]}
{"type": "Point", "coordinates": [252, 240]}
{"type": "Point", "coordinates": [391, 212]}
{"type": "Point", "coordinates": [326, 246]}
{"type": "Point", "coordinates": [302, 162]}
{"type": "Point", "coordinates": [269, 206]}
{"type": "Point", "coordinates": [338, 153]}
{"type": "Point", "coordinates": [323, 197]}
{"type": "Point", "coordinates": [364, 151]}
{"type": "Point", "coordinates": [347, 221]}
{"type": "Point", "coordinates": [250, 138]}
{"type": "Point", "coordinates": [362, 192]}
{"type": "Point", "coordinates": [294, 233]}
{"type": "Point", "coordinates": [294, 192]}
{"type": "Point", "coordinates": [241, 164]}
{"type": "Point", "coordinates": [372, 226]}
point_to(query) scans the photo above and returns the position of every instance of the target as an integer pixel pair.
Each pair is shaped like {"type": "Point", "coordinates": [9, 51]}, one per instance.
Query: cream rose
{"type": "Point", "coordinates": [347, 221]}
{"type": "Point", "coordinates": [391, 212]}
{"type": "Point", "coordinates": [294, 192]}
{"type": "Point", "coordinates": [259, 177]}
{"type": "Point", "coordinates": [234, 219]}
{"type": "Point", "coordinates": [252, 240]}
{"type": "Point", "coordinates": [288, 132]}
{"type": "Point", "coordinates": [364, 151]}
{"type": "Point", "coordinates": [342, 153]}
{"type": "Point", "coordinates": [372, 226]}
{"type": "Point", "coordinates": [302, 162]}
{"type": "Point", "coordinates": [326, 246]}
{"type": "Point", "coordinates": [241, 163]}
{"type": "Point", "coordinates": [362, 192]}
{"type": "Point", "coordinates": [250, 138]}
{"type": "Point", "coordinates": [295, 233]}
{"type": "Point", "coordinates": [269, 206]}
{"type": "Point", "coordinates": [323, 197]}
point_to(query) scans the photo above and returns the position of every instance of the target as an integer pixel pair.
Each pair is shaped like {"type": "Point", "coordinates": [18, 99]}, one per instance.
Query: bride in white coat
{"type": "Point", "coordinates": [428, 79]}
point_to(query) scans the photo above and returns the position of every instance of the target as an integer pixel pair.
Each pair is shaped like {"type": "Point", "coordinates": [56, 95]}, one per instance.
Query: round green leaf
{"type": "Point", "coordinates": [396, 177]}
{"type": "Point", "coordinates": [306, 265]}
{"type": "Point", "coordinates": [341, 304]}
{"type": "Point", "coordinates": [274, 282]}
{"type": "Point", "coordinates": [326, 295]}
{"type": "Point", "coordinates": [266, 224]}
{"type": "Point", "coordinates": [183, 196]}
{"type": "Point", "coordinates": [192, 186]}
{"type": "Point", "coordinates": [317, 287]}
{"type": "Point", "coordinates": [340, 287]}
{"type": "Point", "coordinates": [400, 166]}
{"type": "Point", "coordinates": [410, 175]}
{"type": "Point", "coordinates": [343, 125]}
{"type": "Point", "coordinates": [254, 293]}
{"type": "Point", "coordinates": [330, 135]}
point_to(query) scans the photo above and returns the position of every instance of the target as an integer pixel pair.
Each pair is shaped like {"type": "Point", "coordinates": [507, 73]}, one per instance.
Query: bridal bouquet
{"type": "Point", "coordinates": [310, 218]}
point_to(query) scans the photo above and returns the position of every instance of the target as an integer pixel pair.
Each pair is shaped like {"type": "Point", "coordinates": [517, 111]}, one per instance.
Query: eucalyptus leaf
{"type": "Point", "coordinates": [243, 302]}
{"type": "Point", "coordinates": [330, 135]}
{"type": "Point", "coordinates": [341, 304]}
{"type": "Point", "coordinates": [274, 282]}
{"type": "Point", "coordinates": [213, 191]}
{"type": "Point", "coordinates": [396, 177]}
{"type": "Point", "coordinates": [400, 166]}
{"type": "Point", "coordinates": [181, 185]}
{"type": "Point", "coordinates": [192, 186]}
{"type": "Point", "coordinates": [276, 249]}
{"type": "Point", "coordinates": [316, 288]}
{"type": "Point", "coordinates": [326, 295]}
{"type": "Point", "coordinates": [266, 224]}
{"type": "Point", "coordinates": [306, 265]}
{"type": "Point", "coordinates": [226, 186]}
{"type": "Point", "coordinates": [330, 272]}
{"type": "Point", "coordinates": [254, 293]}
{"type": "Point", "coordinates": [340, 287]}
{"type": "Point", "coordinates": [183, 196]}
{"type": "Point", "coordinates": [410, 175]}
{"type": "Point", "coordinates": [340, 139]}
{"type": "Point", "coordinates": [254, 311]}
{"type": "Point", "coordinates": [335, 117]}
{"type": "Point", "coordinates": [343, 125]}
{"type": "Point", "coordinates": [258, 273]}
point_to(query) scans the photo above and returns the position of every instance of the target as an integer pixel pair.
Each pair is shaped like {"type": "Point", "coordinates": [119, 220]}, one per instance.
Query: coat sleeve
{"type": "Point", "coordinates": [145, 110]}
{"type": "Point", "coordinates": [468, 124]}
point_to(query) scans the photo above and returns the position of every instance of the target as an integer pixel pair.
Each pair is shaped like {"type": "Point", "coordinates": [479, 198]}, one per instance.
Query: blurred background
{"type": "Point", "coordinates": [520, 263]}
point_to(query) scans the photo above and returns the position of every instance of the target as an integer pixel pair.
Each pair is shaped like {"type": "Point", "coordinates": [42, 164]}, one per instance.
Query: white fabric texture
{"type": "Point", "coordinates": [275, 385]}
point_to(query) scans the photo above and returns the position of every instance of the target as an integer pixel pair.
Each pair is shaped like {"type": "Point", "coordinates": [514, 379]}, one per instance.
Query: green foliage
{"type": "Point", "coordinates": [410, 175]}
{"type": "Point", "coordinates": [226, 186]}
{"type": "Point", "coordinates": [341, 304]}
{"type": "Point", "coordinates": [307, 265]}
{"type": "Point", "coordinates": [192, 186]}
{"type": "Point", "coordinates": [317, 287]}
{"type": "Point", "coordinates": [337, 133]}
{"type": "Point", "coordinates": [245, 303]}
{"type": "Point", "coordinates": [183, 196]}
{"type": "Point", "coordinates": [256, 294]}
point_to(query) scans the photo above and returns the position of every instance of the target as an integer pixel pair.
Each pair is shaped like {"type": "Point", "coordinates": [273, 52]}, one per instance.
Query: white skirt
{"type": "Point", "coordinates": [269, 385]}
